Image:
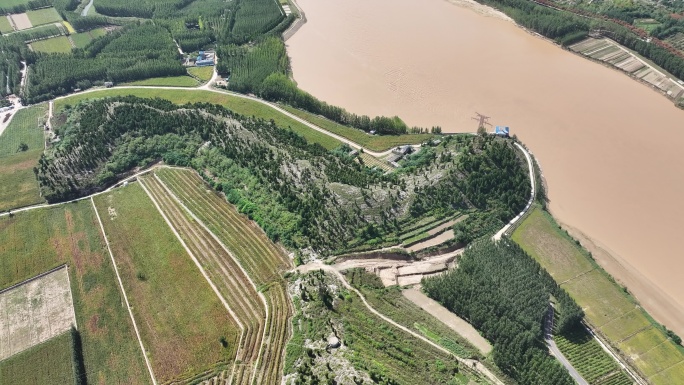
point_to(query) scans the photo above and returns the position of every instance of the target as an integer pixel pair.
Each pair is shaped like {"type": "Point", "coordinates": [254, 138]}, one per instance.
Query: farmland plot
{"type": "Point", "coordinates": [48, 363]}
{"type": "Point", "coordinates": [18, 184]}
{"type": "Point", "coordinates": [261, 259]}
{"type": "Point", "coordinates": [182, 323]}
{"type": "Point", "coordinates": [35, 311]}
{"type": "Point", "coordinates": [36, 241]}
{"type": "Point", "coordinates": [225, 273]}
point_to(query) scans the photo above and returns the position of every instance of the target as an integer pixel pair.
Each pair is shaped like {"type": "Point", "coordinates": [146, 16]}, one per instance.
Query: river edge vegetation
{"type": "Point", "coordinates": [613, 313]}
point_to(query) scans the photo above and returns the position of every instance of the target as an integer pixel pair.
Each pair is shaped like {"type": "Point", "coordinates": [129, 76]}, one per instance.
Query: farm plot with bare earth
{"type": "Point", "coordinates": [21, 21]}
{"type": "Point", "coordinates": [609, 309]}
{"type": "Point", "coordinates": [263, 261]}
{"type": "Point", "coordinates": [35, 311]}
{"type": "Point", "coordinates": [183, 325]}
{"type": "Point", "coordinates": [36, 241]}
{"type": "Point", "coordinates": [224, 272]}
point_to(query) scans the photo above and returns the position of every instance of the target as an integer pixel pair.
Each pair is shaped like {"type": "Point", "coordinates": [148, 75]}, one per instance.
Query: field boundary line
{"type": "Point", "coordinates": [583, 274]}
{"type": "Point", "coordinates": [237, 262]}
{"type": "Point", "coordinates": [616, 356]}
{"type": "Point", "coordinates": [71, 296]}
{"type": "Point", "coordinates": [41, 275]}
{"type": "Point", "coordinates": [668, 368]}
{"type": "Point", "coordinates": [629, 337]}
{"type": "Point", "coordinates": [204, 273]}
{"type": "Point", "coordinates": [128, 305]}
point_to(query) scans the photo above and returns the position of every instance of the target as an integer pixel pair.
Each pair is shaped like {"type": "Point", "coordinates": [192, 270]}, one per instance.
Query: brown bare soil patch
{"type": "Point", "coordinates": [21, 21]}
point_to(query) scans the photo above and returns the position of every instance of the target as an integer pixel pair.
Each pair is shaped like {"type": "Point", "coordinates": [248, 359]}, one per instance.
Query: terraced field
{"type": "Point", "coordinates": [187, 332]}
{"type": "Point", "coordinates": [235, 288]}
{"type": "Point", "coordinates": [262, 260]}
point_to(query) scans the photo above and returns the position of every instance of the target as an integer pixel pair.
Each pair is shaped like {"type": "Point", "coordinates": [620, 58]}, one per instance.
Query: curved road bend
{"type": "Point", "coordinates": [274, 106]}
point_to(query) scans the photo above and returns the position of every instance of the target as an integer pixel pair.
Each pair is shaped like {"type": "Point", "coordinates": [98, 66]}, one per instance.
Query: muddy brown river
{"type": "Point", "coordinates": [610, 148]}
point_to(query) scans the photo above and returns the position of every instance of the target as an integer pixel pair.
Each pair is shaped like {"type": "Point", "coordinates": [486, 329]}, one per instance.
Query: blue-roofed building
{"type": "Point", "coordinates": [205, 59]}
{"type": "Point", "coordinates": [502, 131]}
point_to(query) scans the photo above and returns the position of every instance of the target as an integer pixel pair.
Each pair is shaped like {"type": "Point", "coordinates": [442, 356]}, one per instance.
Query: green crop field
{"type": "Point", "coordinates": [262, 260]}
{"type": "Point", "coordinates": [5, 25]}
{"type": "Point", "coordinates": [240, 105]}
{"type": "Point", "coordinates": [203, 73]}
{"type": "Point", "coordinates": [35, 241]}
{"type": "Point", "coordinates": [171, 81]}
{"type": "Point", "coordinates": [82, 39]}
{"type": "Point", "coordinates": [588, 357]}
{"type": "Point", "coordinates": [48, 363]}
{"type": "Point", "coordinates": [18, 184]}
{"type": "Point", "coordinates": [371, 142]}
{"type": "Point", "coordinates": [26, 127]}
{"type": "Point", "coordinates": [59, 44]}
{"type": "Point", "coordinates": [181, 320]}
{"type": "Point", "coordinates": [563, 260]}
{"type": "Point", "coordinates": [626, 325]}
{"type": "Point", "coordinates": [606, 306]}
{"type": "Point", "coordinates": [43, 16]}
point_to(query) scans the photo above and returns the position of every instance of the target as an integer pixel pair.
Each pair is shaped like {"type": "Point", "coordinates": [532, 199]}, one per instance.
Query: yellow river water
{"type": "Point", "coordinates": [610, 148]}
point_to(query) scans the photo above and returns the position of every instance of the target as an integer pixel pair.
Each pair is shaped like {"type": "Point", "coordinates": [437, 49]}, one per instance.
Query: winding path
{"type": "Point", "coordinates": [476, 365]}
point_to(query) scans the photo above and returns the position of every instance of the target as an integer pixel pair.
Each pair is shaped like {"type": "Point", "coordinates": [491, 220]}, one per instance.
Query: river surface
{"type": "Point", "coordinates": [610, 148]}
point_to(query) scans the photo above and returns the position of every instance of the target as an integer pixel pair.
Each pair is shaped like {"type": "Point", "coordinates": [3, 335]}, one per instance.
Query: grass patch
{"type": "Point", "coordinates": [18, 184]}
{"type": "Point", "coordinates": [171, 81]}
{"type": "Point", "coordinates": [600, 298]}
{"type": "Point", "coordinates": [240, 105]}
{"type": "Point", "coordinates": [606, 305]}
{"type": "Point", "coordinates": [48, 363]}
{"type": "Point", "coordinates": [5, 26]}
{"type": "Point", "coordinates": [59, 44]}
{"type": "Point", "coordinates": [625, 326]}
{"type": "Point", "coordinates": [647, 25]}
{"type": "Point", "coordinates": [35, 241]}
{"type": "Point", "coordinates": [539, 236]}
{"type": "Point", "coordinates": [26, 127]}
{"type": "Point", "coordinates": [671, 375]}
{"type": "Point", "coordinates": [43, 16]}
{"type": "Point", "coordinates": [12, 3]}
{"type": "Point", "coordinates": [371, 142]}
{"type": "Point", "coordinates": [181, 319]}
{"type": "Point", "coordinates": [202, 73]}
{"type": "Point", "coordinates": [82, 39]}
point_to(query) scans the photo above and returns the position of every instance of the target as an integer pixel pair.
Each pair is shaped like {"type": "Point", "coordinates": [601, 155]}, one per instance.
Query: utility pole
{"type": "Point", "coordinates": [482, 120]}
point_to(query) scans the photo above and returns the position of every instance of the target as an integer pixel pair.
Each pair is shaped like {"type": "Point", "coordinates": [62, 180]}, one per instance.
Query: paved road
{"type": "Point", "coordinates": [206, 87]}
{"type": "Point", "coordinates": [548, 336]}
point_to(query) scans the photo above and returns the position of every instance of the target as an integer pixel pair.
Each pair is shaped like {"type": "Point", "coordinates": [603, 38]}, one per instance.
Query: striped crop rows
{"type": "Point", "coordinates": [234, 286]}
{"type": "Point", "coordinates": [262, 260]}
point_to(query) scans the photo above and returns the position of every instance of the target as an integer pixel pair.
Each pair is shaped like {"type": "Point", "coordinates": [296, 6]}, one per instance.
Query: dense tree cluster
{"type": "Point", "coordinates": [488, 176]}
{"type": "Point", "coordinates": [279, 87]}
{"type": "Point", "coordinates": [505, 294]}
{"type": "Point", "coordinates": [569, 26]}
{"type": "Point", "coordinates": [136, 52]}
{"type": "Point", "coordinates": [31, 4]}
{"type": "Point", "coordinates": [298, 192]}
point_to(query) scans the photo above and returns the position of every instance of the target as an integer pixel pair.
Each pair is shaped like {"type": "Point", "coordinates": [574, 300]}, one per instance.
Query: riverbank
{"type": "Point", "coordinates": [592, 128]}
